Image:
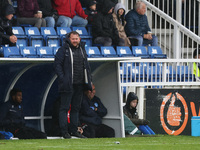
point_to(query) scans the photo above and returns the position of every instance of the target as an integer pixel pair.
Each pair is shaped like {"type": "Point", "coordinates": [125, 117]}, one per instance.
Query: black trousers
{"type": "Point", "coordinates": [4, 41]}
{"type": "Point", "coordinates": [24, 132]}
{"type": "Point", "coordinates": [98, 131]}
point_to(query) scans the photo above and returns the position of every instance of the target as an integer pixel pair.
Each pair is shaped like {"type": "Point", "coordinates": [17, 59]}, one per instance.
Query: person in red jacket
{"type": "Point", "coordinates": [67, 10]}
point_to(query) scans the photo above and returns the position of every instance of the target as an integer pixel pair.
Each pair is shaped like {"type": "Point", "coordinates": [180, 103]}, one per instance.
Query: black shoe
{"type": "Point", "coordinates": [77, 134]}
{"type": "Point", "coordinates": [66, 136]}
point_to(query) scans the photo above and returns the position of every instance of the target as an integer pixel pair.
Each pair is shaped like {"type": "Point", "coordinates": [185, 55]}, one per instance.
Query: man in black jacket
{"type": "Point", "coordinates": [73, 72]}
{"type": "Point", "coordinates": [48, 12]}
{"type": "Point", "coordinates": [91, 113]}
{"type": "Point", "coordinates": [6, 34]}
{"type": "Point", "coordinates": [12, 118]}
{"type": "Point", "coordinates": [104, 30]}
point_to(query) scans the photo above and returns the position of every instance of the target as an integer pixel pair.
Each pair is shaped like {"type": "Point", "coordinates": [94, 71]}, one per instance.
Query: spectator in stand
{"type": "Point", "coordinates": [137, 26]}
{"type": "Point", "coordinates": [84, 3]}
{"type": "Point", "coordinates": [3, 3]}
{"type": "Point", "coordinates": [12, 118]}
{"type": "Point", "coordinates": [119, 19]}
{"type": "Point", "coordinates": [131, 119]}
{"type": "Point", "coordinates": [67, 10]}
{"type": "Point", "coordinates": [48, 13]}
{"type": "Point", "coordinates": [6, 22]}
{"type": "Point", "coordinates": [29, 13]}
{"type": "Point", "coordinates": [91, 11]}
{"type": "Point", "coordinates": [196, 66]}
{"type": "Point", "coordinates": [91, 114]}
{"type": "Point", "coordinates": [104, 30]}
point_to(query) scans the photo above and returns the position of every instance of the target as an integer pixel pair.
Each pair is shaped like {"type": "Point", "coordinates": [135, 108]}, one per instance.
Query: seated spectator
{"type": "Point", "coordinates": [91, 10]}
{"type": "Point", "coordinates": [137, 26]}
{"type": "Point", "coordinates": [104, 30]}
{"type": "Point", "coordinates": [84, 3]}
{"type": "Point", "coordinates": [12, 118]}
{"type": "Point", "coordinates": [91, 114]}
{"type": "Point", "coordinates": [131, 119]}
{"type": "Point", "coordinates": [48, 13]}
{"type": "Point", "coordinates": [67, 10]}
{"type": "Point", "coordinates": [119, 19]}
{"type": "Point", "coordinates": [6, 22]}
{"type": "Point", "coordinates": [28, 13]}
{"type": "Point", "coordinates": [196, 66]}
{"type": "Point", "coordinates": [100, 4]}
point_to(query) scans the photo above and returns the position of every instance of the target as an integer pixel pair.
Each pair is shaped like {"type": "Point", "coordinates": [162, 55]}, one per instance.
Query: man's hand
{"type": "Point", "coordinates": [148, 36]}
{"type": "Point", "coordinates": [13, 39]}
{"type": "Point", "coordinates": [38, 15]}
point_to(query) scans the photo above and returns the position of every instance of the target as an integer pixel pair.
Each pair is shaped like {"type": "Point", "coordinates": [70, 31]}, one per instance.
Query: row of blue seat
{"type": "Point", "coordinates": [151, 72]}
{"type": "Point", "coordinates": [48, 36]}
{"type": "Point", "coordinates": [106, 51]}
{"type": "Point", "coordinates": [124, 51]}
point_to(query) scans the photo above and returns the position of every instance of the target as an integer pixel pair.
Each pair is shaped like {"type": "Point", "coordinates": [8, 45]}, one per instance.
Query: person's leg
{"type": "Point", "coordinates": [36, 22]}
{"type": "Point", "coordinates": [79, 22]}
{"type": "Point", "coordinates": [50, 21]}
{"type": "Point", "coordinates": [153, 42]}
{"type": "Point", "coordinates": [43, 23]}
{"type": "Point", "coordinates": [105, 41]}
{"type": "Point", "coordinates": [64, 21]}
{"type": "Point", "coordinates": [6, 41]}
{"type": "Point", "coordinates": [64, 108]}
{"type": "Point", "coordinates": [144, 129]}
{"type": "Point", "coordinates": [139, 38]}
{"type": "Point", "coordinates": [75, 107]}
{"type": "Point", "coordinates": [129, 127]}
{"type": "Point", "coordinates": [150, 130]}
{"type": "Point", "coordinates": [35, 133]}
{"type": "Point", "coordinates": [104, 131]}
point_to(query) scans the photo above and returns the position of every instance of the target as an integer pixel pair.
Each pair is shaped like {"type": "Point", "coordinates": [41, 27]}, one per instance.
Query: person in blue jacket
{"type": "Point", "coordinates": [137, 26]}
{"type": "Point", "coordinates": [91, 113]}
{"type": "Point", "coordinates": [74, 76]}
{"type": "Point", "coordinates": [12, 118]}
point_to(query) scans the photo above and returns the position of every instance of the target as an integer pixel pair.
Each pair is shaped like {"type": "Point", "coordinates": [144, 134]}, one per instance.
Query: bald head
{"type": "Point", "coordinates": [140, 7]}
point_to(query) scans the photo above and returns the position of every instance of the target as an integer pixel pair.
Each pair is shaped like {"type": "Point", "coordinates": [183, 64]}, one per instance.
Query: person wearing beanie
{"type": "Point", "coordinates": [6, 22]}
{"type": "Point", "coordinates": [134, 125]}
{"type": "Point", "coordinates": [91, 10]}
{"type": "Point", "coordinates": [196, 66]}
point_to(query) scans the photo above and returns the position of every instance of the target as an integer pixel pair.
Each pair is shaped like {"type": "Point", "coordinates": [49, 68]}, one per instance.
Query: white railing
{"type": "Point", "coordinates": [137, 75]}
{"type": "Point", "coordinates": [175, 40]}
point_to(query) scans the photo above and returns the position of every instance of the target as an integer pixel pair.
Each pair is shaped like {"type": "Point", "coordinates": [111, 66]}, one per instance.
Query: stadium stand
{"type": "Point", "coordinates": [108, 51]}
{"type": "Point", "coordinates": [12, 52]}
{"type": "Point", "coordinates": [22, 39]}
{"type": "Point", "coordinates": [34, 36]}
{"type": "Point", "coordinates": [140, 51]}
{"type": "Point", "coordinates": [50, 36]}
{"type": "Point", "coordinates": [93, 52]}
{"type": "Point", "coordinates": [62, 31]}
{"type": "Point", "coordinates": [156, 52]}
{"type": "Point", "coordinates": [124, 51]}
{"type": "Point", "coordinates": [45, 52]}
{"type": "Point", "coordinates": [29, 52]}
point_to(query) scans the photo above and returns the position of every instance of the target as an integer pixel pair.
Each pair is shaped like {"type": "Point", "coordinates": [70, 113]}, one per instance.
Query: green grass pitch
{"type": "Point", "coordinates": [158, 142]}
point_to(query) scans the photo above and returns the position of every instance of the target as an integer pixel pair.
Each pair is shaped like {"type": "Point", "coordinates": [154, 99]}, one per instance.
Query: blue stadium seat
{"type": "Point", "coordinates": [155, 73]}
{"type": "Point", "coordinates": [11, 52]}
{"type": "Point", "coordinates": [55, 49]}
{"type": "Point", "coordinates": [45, 52]}
{"type": "Point", "coordinates": [29, 52]}
{"type": "Point", "coordinates": [171, 74]}
{"type": "Point", "coordinates": [156, 52]}
{"type": "Point", "coordinates": [124, 51]}
{"type": "Point", "coordinates": [93, 52]}
{"type": "Point", "coordinates": [139, 74]}
{"type": "Point", "coordinates": [22, 39]}
{"type": "Point", "coordinates": [34, 36]}
{"type": "Point", "coordinates": [108, 51]}
{"type": "Point", "coordinates": [62, 31]}
{"type": "Point", "coordinates": [85, 37]}
{"type": "Point", "coordinates": [50, 36]}
{"type": "Point", "coordinates": [184, 74]}
{"type": "Point", "coordinates": [140, 51]}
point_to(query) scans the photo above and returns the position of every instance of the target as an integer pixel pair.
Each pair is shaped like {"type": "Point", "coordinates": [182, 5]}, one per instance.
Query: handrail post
{"type": "Point", "coordinates": [177, 42]}
{"type": "Point", "coordinates": [179, 11]}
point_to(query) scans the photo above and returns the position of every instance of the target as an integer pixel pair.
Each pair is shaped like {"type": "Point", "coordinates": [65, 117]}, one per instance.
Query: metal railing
{"type": "Point", "coordinates": [176, 40]}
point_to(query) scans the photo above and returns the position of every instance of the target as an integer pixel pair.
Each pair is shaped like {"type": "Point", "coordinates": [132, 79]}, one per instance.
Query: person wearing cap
{"type": "Point", "coordinates": [196, 66]}
{"type": "Point", "coordinates": [29, 13]}
{"type": "Point", "coordinates": [70, 13]}
{"type": "Point", "coordinates": [6, 22]}
{"type": "Point", "coordinates": [134, 125]}
{"type": "Point", "coordinates": [91, 10]}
